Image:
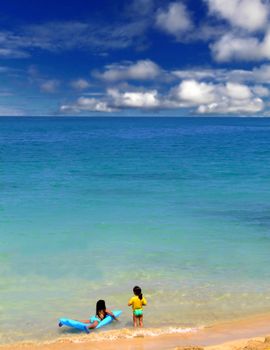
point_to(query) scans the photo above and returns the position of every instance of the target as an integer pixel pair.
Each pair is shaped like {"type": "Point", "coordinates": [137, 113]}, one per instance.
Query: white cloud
{"type": "Point", "coordinates": [205, 90]}
{"type": "Point", "coordinates": [220, 98]}
{"type": "Point", "coordinates": [174, 20]}
{"type": "Point", "coordinates": [194, 92]}
{"type": "Point", "coordinates": [114, 100]}
{"type": "Point", "coordinates": [228, 106]}
{"type": "Point", "coordinates": [260, 90]}
{"type": "Point", "coordinates": [49, 86]}
{"type": "Point", "coordinates": [156, 75]}
{"type": "Point", "coordinates": [86, 104]}
{"type": "Point", "coordinates": [224, 91]}
{"type": "Point", "coordinates": [233, 98]}
{"type": "Point", "coordinates": [256, 75]}
{"type": "Point", "coordinates": [205, 98]}
{"type": "Point", "coordinates": [250, 15]}
{"type": "Point", "coordinates": [93, 104]}
{"type": "Point", "coordinates": [233, 47]}
{"type": "Point", "coordinates": [219, 75]}
{"type": "Point", "coordinates": [68, 109]}
{"type": "Point", "coordinates": [80, 84]}
{"type": "Point", "coordinates": [140, 70]}
{"type": "Point", "coordinates": [146, 100]}
{"type": "Point", "coordinates": [196, 74]}
{"type": "Point", "coordinates": [238, 91]}
{"type": "Point", "coordinates": [262, 73]}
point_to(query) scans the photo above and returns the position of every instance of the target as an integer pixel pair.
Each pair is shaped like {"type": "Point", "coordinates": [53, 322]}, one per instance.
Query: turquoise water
{"type": "Point", "coordinates": [89, 207]}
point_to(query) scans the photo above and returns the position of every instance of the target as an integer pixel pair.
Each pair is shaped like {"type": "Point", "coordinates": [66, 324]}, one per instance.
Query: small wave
{"type": "Point", "coordinates": [127, 333]}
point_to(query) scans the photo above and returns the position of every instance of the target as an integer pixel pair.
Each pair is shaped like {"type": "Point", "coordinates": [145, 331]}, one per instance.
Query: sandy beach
{"type": "Point", "coordinates": [248, 334]}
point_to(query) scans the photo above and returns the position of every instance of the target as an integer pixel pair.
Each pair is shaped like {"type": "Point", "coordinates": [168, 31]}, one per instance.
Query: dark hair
{"type": "Point", "coordinates": [101, 306]}
{"type": "Point", "coordinates": [137, 291]}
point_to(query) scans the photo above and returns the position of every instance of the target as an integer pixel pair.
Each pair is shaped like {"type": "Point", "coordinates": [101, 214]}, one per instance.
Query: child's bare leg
{"type": "Point", "coordinates": [141, 321]}
{"type": "Point", "coordinates": [134, 321]}
{"type": "Point", "coordinates": [93, 325]}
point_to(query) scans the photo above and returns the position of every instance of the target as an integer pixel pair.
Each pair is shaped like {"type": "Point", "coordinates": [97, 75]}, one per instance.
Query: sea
{"type": "Point", "coordinates": [91, 207]}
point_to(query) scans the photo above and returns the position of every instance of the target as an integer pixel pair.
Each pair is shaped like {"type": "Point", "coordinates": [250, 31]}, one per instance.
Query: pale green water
{"type": "Point", "coordinates": [91, 207]}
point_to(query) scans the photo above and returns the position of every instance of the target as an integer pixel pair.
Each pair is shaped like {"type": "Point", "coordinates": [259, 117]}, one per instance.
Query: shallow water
{"type": "Point", "coordinates": [90, 207]}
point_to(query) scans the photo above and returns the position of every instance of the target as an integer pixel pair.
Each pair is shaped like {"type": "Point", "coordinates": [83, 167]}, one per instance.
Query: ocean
{"type": "Point", "coordinates": [90, 207]}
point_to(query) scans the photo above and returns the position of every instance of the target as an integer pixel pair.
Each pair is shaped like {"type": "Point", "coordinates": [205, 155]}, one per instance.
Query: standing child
{"type": "Point", "coordinates": [137, 303]}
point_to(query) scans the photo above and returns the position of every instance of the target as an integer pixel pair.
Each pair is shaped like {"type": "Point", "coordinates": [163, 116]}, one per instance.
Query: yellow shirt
{"type": "Point", "coordinates": [137, 303]}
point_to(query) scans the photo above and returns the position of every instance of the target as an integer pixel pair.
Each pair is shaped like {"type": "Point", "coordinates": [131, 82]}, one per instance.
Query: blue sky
{"type": "Point", "coordinates": [136, 57]}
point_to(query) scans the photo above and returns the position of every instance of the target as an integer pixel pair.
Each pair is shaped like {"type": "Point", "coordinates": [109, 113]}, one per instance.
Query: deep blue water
{"type": "Point", "coordinates": [90, 207]}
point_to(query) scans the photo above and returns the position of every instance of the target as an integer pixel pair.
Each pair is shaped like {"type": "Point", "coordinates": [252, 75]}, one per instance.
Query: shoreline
{"type": "Point", "coordinates": [223, 336]}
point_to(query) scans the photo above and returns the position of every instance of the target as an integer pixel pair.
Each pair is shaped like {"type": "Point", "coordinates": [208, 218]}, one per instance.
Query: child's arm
{"type": "Point", "coordinates": [144, 301]}
{"type": "Point", "coordinates": [108, 312]}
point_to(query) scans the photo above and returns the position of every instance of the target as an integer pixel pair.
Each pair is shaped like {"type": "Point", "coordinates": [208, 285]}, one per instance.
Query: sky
{"type": "Point", "coordinates": [135, 58]}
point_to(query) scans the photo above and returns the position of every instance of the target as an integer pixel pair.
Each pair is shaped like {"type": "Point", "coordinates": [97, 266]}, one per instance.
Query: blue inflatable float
{"type": "Point", "coordinates": [84, 326]}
